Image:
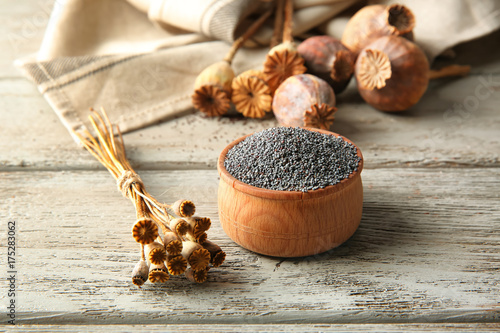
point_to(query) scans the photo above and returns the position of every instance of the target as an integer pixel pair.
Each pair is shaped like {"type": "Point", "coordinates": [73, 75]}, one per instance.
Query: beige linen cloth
{"type": "Point", "coordinates": [139, 58]}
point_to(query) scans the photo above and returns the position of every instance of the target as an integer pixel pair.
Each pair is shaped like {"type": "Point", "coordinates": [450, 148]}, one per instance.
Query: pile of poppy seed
{"type": "Point", "coordinates": [291, 159]}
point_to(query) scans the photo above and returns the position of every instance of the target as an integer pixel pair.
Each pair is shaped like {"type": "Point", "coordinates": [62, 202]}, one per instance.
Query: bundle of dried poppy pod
{"type": "Point", "coordinates": [173, 241]}
{"type": "Point", "coordinates": [299, 83]}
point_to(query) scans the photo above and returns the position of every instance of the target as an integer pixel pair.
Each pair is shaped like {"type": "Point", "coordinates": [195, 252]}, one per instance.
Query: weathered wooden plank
{"type": "Point", "coordinates": [456, 123]}
{"type": "Point", "coordinates": [430, 135]}
{"type": "Point", "coordinates": [477, 327]}
{"type": "Point", "coordinates": [427, 250]}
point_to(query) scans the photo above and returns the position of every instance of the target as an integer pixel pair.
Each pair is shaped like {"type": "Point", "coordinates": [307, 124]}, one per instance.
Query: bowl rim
{"type": "Point", "coordinates": [287, 195]}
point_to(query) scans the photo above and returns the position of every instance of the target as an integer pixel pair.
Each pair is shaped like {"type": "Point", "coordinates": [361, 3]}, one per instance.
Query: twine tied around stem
{"type": "Point", "coordinates": [126, 180]}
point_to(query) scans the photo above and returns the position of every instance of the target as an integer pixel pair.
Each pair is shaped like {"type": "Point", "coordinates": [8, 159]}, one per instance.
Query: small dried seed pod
{"type": "Point", "coordinates": [196, 255]}
{"type": "Point", "coordinates": [251, 94]}
{"type": "Point", "coordinates": [199, 223]}
{"type": "Point", "coordinates": [327, 58]}
{"type": "Point", "coordinates": [184, 208]}
{"type": "Point", "coordinates": [281, 62]}
{"type": "Point", "coordinates": [392, 73]}
{"type": "Point", "coordinates": [155, 252]}
{"type": "Point", "coordinates": [300, 94]}
{"type": "Point", "coordinates": [140, 273]}
{"type": "Point", "coordinates": [173, 245]}
{"type": "Point", "coordinates": [375, 21]}
{"type": "Point", "coordinates": [179, 226]}
{"type": "Point", "coordinates": [198, 276]}
{"type": "Point", "coordinates": [212, 89]}
{"type": "Point", "coordinates": [145, 231]}
{"type": "Point", "coordinates": [176, 264]}
{"type": "Point", "coordinates": [217, 256]}
{"type": "Point", "coordinates": [158, 273]}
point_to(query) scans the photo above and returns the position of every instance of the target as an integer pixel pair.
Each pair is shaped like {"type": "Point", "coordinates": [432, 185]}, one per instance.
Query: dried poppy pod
{"type": "Point", "coordinates": [176, 264]}
{"type": "Point", "coordinates": [251, 94]}
{"type": "Point", "coordinates": [183, 208]}
{"type": "Point", "coordinates": [155, 252]}
{"type": "Point", "coordinates": [327, 58]}
{"type": "Point", "coordinates": [281, 62]}
{"type": "Point", "coordinates": [305, 100]}
{"type": "Point", "coordinates": [375, 21]}
{"type": "Point", "coordinates": [217, 256]}
{"type": "Point", "coordinates": [212, 89]}
{"type": "Point", "coordinates": [199, 224]}
{"type": "Point", "coordinates": [140, 273]}
{"type": "Point", "coordinates": [172, 244]}
{"type": "Point", "coordinates": [198, 276]}
{"type": "Point", "coordinates": [179, 226]}
{"type": "Point", "coordinates": [158, 273]}
{"type": "Point", "coordinates": [145, 231]}
{"type": "Point", "coordinates": [197, 257]}
{"type": "Point", "coordinates": [392, 73]}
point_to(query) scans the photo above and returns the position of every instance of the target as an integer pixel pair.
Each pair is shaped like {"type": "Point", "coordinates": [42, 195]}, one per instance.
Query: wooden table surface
{"type": "Point", "coordinates": [425, 257]}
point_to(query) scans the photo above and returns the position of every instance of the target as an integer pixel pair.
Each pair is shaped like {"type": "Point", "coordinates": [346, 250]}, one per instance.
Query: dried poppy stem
{"type": "Point", "coordinates": [447, 71]}
{"type": "Point", "coordinates": [277, 37]}
{"type": "Point", "coordinates": [212, 88]}
{"type": "Point", "coordinates": [238, 43]}
{"type": "Point", "coordinates": [288, 22]}
{"type": "Point", "coordinates": [283, 60]}
{"type": "Point", "coordinates": [109, 149]}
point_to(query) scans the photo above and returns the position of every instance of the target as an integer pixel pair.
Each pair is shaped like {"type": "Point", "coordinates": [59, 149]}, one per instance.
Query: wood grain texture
{"type": "Point", "coordinates": [303, 328]}
{"type": "Point", "coordinates": [427, 250]}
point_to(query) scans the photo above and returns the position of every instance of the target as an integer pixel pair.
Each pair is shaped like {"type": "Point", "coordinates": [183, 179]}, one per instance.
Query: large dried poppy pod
{"type": "Point", "coordinates": [212, 89]}
{"type": "Point", "coordinates": [217, 256]}
{"type": "Point", "coordinates": [176, 264]}
{"type": "Point", "coordinates": [198, 276]}
{"type": "Point", "coordinates": [281, 62]}
{"type": "Point", "coordinates": [392, 73]}
{"type": "Point", "coordinates": [251, 94]}
{"type": "Point", "coordinates": [155, 252]}
{"type": "Point", "coordinates": [375, 21]}
{"type": "Point", "coordinates": [172, 244]}
{"type": "Point", "coordinates": [179, 226]}
{"type": "Point", "coordinates": [327, 58]}
{"type": "Point", "coordinates": [304, 100]}
{"type": "Point", "coordinates": [196, 255]}
{"type": "Point", "coordinates": [158, 273]}
{"type": "Point", "coordinates": [184, 208]}
{"type": "Point", "coordinates": [145, 231]}
{"type": "Point", "coordinates": [140, 273]}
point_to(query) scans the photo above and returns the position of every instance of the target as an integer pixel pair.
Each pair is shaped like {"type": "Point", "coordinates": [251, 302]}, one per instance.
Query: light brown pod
{"type": "Point", "coordinates": [140, 273]}
{"type": "Point", "coordinates": [197, 257]}
{"type": "Point", "coordinates": [304, 100]}
{"type": "Point", "coordinates": [155, 252]}
{"type": "Point", "coordinates": [327, 58]}
{"type": "Point", "coordinates": [172, 244]}
{"type": "Point", "coordinates": [179, 226]}
{"type": "Point", "coordinates": [392, 73]}
{"type": "Point", "coordinates": [184, 208]}
{"type": "Point", "coordinates": [198, 276]}
{"type": "Point", "coordinates": [217, 256]}
{"type": "Point", "coordinates": [176, 264]}
{"type": "Point", "coordinates": [145, 231]}
{"type": "Point", "coordinates": [251, 94]}
{"type": "Point", "coordinates": [375, 21]}
{"type": "Point", "coordinates": [212, 89]}
{"type": "Point", "coordinates": [289, 223]}
{"type": "Point", "coordinates": [158, 273]}
{"type": "Point", "coordinates": [281, 62]}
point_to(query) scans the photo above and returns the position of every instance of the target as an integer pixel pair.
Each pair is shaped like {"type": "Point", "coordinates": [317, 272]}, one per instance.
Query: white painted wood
{"type": "Point", "coordinates": [426, 251]}
{"type": "Point", "coordinates": [425, 258]}
{"type": "Point", "coordinates": [303, 328]}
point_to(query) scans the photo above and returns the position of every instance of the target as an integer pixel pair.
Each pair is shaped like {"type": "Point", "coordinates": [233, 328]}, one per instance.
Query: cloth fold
{"type": "Point", "coordinates": [139, 58]}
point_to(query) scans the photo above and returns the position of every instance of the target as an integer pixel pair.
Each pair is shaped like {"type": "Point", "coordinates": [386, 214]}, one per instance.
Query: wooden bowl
{"type": "Point", "coordinates": [289, 223]}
